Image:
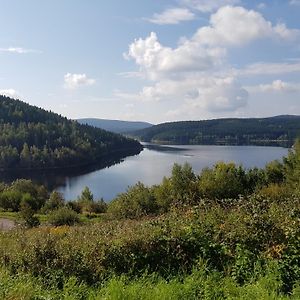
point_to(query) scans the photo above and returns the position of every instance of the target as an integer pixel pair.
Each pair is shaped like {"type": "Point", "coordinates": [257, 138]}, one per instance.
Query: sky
{"type": "Point", "coordinates": [151, 60]}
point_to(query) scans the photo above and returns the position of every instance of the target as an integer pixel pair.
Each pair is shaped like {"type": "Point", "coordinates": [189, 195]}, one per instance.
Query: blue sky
{"type": "Point", "coordinates": [152, 60]}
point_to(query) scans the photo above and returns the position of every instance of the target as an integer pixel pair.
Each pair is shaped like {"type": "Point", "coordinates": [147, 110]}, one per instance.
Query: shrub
{"type": "Point", "coordinates": [138, 201]}
{"type": "Point", "coordinates": [223, 181]}
{"type": "Point", "coordinates": [55, 201]}
{"type": "Point", "coordinates": [27, 213]}
{"type": "Point", "coordinates": [63, 216]}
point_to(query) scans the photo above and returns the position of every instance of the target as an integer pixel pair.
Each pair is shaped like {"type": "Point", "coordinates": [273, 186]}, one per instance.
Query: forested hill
{"type": "Point", "coordinates": [278, 130]}
{"type": "Point", "coordinates": [33, 138]}
{"type": "Point", "coordinates": [116, 126]}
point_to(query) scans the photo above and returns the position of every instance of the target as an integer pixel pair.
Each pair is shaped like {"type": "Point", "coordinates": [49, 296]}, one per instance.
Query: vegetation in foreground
{"type": "Point", "coordinates": [228, 233]}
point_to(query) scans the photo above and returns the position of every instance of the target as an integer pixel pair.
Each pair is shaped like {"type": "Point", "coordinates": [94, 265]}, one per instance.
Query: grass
{"type": "Point", "coordinates": [197, 285]}
{"type": "Point", "coordinates": [84, 218]}
{"type": "Point", "coordinates": [10, 215]}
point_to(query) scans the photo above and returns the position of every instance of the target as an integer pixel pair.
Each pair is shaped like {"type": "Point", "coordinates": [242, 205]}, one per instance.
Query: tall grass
{"type": "Point", "coordinates": [197, 285]}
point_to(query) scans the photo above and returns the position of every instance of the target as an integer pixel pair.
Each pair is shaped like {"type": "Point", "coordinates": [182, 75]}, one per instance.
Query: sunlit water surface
{"type": "Point", "coordinates": [151, 165]}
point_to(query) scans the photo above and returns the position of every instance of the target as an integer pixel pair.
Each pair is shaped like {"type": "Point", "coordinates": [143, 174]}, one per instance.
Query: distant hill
{"type": "Point", "coordinates": [278, 130]}
{"type": "Point", "coordinates": [33, 138]}
{"type": "Point", "coordinates": [116, 126]}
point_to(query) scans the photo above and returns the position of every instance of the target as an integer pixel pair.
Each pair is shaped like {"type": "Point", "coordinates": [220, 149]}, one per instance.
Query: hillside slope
{"type": "Point", "coordinates": [274, 130]}
{"type": "Point", "coordinates": [116, 126]}
{"type": "Point", "coordinates": [33, 138]}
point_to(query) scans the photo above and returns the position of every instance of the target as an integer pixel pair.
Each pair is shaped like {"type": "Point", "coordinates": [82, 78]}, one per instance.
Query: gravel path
{"type": "Point", "coordinates": [6, 224]}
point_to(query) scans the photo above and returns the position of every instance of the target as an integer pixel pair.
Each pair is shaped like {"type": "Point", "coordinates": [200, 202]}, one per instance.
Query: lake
{"type": "Point", "coordinates": [155, 162]}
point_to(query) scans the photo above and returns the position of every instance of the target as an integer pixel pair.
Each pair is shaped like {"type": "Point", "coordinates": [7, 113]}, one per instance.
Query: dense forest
{"type": "Point", "coordinates": [33, 138]}
{"type": "Point", "coordinates": [279, 130]}
{"type": "Point", "coordinates": [226, 233]}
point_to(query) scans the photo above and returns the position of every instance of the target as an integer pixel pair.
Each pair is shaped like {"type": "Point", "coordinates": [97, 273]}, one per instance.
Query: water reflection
{"type": "Point", "coordinates": [149, 167]}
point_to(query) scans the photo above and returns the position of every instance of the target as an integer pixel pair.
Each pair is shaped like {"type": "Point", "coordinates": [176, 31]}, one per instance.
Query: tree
{"type": "Point", "coordinates": [25, 156]}
{"type": "Point", "coordinates": [223, 181]}
{"type": "Point", "coordinates": [138, 201]}
{"type": "Point", "coordinates": [183, 184]}
{"type": "Point", "coordinates": [27, 213]}
{"type": "Point", "coordinates": [292, 165]}
{"type": "Point", "coordinates": [86, 195]}
{"type": "Point", "coordinates": [86, 200]}
{"type": "Point", "coordinates": [55, 201]}
{"type": "Point", "coordinates": [274, 172]}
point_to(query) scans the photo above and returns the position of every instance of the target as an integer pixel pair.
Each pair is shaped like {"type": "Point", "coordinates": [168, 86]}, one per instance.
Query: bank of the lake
{"type": "Point", "coordinates": [156, 161]}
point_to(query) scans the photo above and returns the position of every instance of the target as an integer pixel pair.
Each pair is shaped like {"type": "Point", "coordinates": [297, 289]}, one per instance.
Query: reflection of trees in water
{"type": "Point", "coordinates": [54, 178]}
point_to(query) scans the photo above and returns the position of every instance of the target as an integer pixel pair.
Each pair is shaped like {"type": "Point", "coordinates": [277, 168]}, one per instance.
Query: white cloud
{"type": "Point", "coordinates": [215, 96]}
{"type": "Point", "coordinates": [172, 16]}
{"type": "Point", "coordinates": [18, 50]}
{"type": "Point", "coordinates": [237, 26]}
{"type": "Point", "coordinates": [73, 81]}
{"type": "Point", "coordinates": [294, 2]}
{"type": "Point", "coordinates": [229, 27]}
{"type": "Point", "coordinates": [207, 6]}
{"type": "Point", "coordinates": [197, 92]}
{"type": "Point", "coordinates": [196, 73]}
{"type": "Point", "coordinates": [157, 61]}
{"type": "Point", "coordinates": [10, 93]}
{"type": "Point", "coordinates": [275, 86]}
{"type": "Point", "coordinates": [262, 68]}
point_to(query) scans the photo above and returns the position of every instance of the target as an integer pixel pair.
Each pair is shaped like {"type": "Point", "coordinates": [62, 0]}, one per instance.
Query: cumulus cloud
{"type": "Point", "coordinates": [73, 81]}
{"type": "Point", "coordinates": [275, 86]}
{"type": "Point", "coordinates": [209, 93]}
{"type": "Point", "coordinates": [237, 26]}
{"type": "Point", "coordinates": [207, 6]}
{"type": "Point", "coordinates": [159, 61]}
{"type": "Point", "coordinates": [198, 92]}
{"type": "Point", "coordinates": [18, 50]}
{"type": "Point", "coordinates": [229, 27]}
{"type": "Point", "coordinates": [172, 16]}
{"type": "Point", "coordinates": [10, 93]}
{"type": "Point", "coordinates": [196, 72]}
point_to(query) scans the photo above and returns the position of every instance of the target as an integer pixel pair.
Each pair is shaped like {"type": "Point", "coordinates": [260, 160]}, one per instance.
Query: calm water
{"type": "Point", "coordinates": [151, 165]}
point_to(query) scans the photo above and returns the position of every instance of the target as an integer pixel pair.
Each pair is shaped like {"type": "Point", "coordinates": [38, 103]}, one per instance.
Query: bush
{"type": "Point", "coordinates": [63, 216]}
{"type": "Point", "coordinates": [55, 201]}
{"type": "Point", "coordinates": [223, 181]}
{"type": "Point", "coordinates": [138, 201]}
{"type": "Point", "coordinates": [27, 213]}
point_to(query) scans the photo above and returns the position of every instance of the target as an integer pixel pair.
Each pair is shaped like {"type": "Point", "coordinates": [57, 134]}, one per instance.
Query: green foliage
{"type": "Point", "coordinates": [32, 138]}
{"type": "Point", "coordinates": [292, 165]}
{"type": "Point", "coordinates": [280, 130]}
{"type": "Point", "coordinates": [226, 234]}
{"type": "Point", "coordinates": [183, 184]}
{"type": "Point", "coordinates": [55, 201]}
{"type": "Point", "coordinates": [86, 195]}
{"type": "Point", "coordinates": [63, 216]}
{"type": "Point", "coordinates": [86, 204]}
{"type": "Point", "coordinates": [223, 181]}
{"type": "Point", "coordinates": [274, 172]}
{"type": "Point", "coordinates": [11, 195]}
{"type": "Point", "coordinates": [178, 190]}
{"type": "Point", "coordinates": [138, 201]}
{"type": "Point", "coordinates": [197, 285]}
{"type": "Point", "coordinates": [163, 195]}
{"type": "Point", "coordinates": [27, 213]}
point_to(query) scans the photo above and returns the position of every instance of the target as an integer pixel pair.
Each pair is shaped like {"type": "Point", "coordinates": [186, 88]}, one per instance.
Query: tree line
{"type": "Point", "coordinates": [32, 138]}
{"type": "Point", "coordinates": [280, 130]}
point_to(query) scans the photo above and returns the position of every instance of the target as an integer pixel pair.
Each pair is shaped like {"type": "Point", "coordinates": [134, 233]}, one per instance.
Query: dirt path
{"type": "Point", "coordinates": [6, 224]}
